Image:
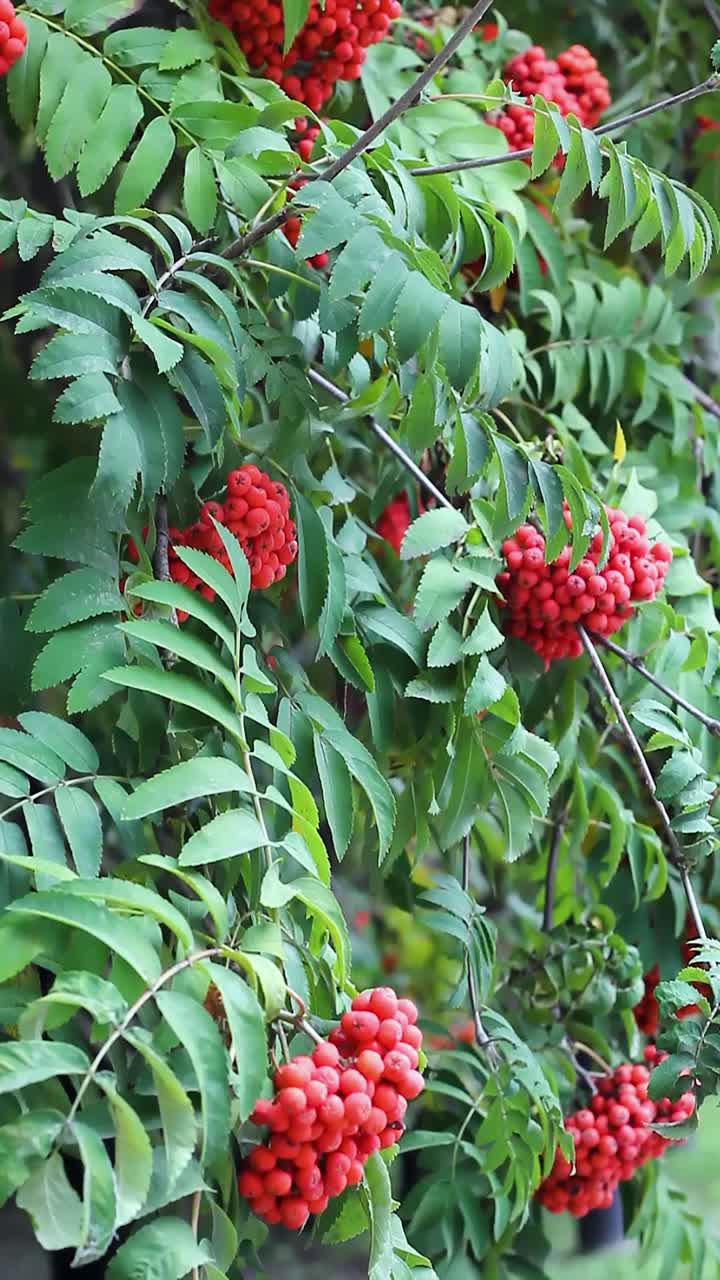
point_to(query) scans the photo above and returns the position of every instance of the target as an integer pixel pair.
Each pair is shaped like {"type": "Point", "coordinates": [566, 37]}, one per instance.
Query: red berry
{"type": "Point", "coordinates": [294, 1213]}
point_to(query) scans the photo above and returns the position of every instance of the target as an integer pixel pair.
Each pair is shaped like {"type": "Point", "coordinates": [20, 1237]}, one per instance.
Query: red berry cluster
{"type": "Point", "coordinates": [394, 521]}
{"type": "Point", "coordinates": [330, 45]}
{"type": "Point", "coordinates": [13, 37]}
{"type": "Point", "coordinates": [612, 1138]}
{"type": "Point", "coordinates": [257, 512]}
{"type": "Point", "coordinates": [646, 1011]}
{"type": "Point", "coordinates": [545, 602]}
{"type": "Point", "coordinates": [333, 1110]}
{"type": "Point", "coordinates": [572, 81]}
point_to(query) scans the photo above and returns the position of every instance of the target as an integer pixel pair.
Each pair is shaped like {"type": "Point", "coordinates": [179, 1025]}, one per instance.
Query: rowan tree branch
{"type": "Point", "coordinates": [366, 139]}
{"type": "Point", "coordinates": [711, 724]}
{"type": "Point", "coordinates": [675, 852]}
{"type": "Point", "coordinates": [407, 462]}
{"type": "Point", "coordinates": [702, 397]}
{"type": "Point", "coordinates": [525, 153]}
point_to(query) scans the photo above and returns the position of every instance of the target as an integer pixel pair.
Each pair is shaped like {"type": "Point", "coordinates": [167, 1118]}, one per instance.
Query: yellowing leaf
{"type": "Point", "coordinates": [620, 446]}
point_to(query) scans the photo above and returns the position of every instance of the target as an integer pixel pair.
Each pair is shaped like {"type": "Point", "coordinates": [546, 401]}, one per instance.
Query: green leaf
{"type": "Point", "coordinates": [513, 475]}
{"type": "Point", "coordinates": [229, 834]}
{"type": "Point", "coordinates": [246, 1022]}
{"type": "Point", "coordinates": [27, 1062]}
{"type": "Point", "coordinates": [433, 530]}
{"type": "Point", "coordinates": [417, 311]}
{"type": "Point", "coordinates": [441, 589]}
{"type": "Point", "coordinates": [79, 110]}
{"type": "Point", "coordinates": [25, 1142]}
{"type": "Point", "coordinates": [80, 819]}
{"type": "Point", "coordinates": [149, 161]}
{"type": "Point", "coordinates": [230, 590]}
{"type": "Point", "coordinates": [133, 1153]}
{"type": "Point", "coordinates": [461, 336]}
{"type": "Point", "coordinates": [109, 137]}
{"type": "Point", "coordinates": [486, 687]}
{"type": "Point", "coordinates": [82, 594]}
{"type": "Point", "coordinates": [176, 1110]}
{"type": "Point", "coordinates": [99, 1205]}
{"type": "Point", "coordinates": [197, 1032]}
{"type": "Point", "coordinates": [165, 1249]}
{"type": "Point", "coordinates": [377, 1183]}
{"type": "Point", "coordinates": [119, 935]}
{"type": "Point", "coordinates": [177, 688]}
{"type": "Point", "coordinates": [172, 595]}
{"type": "Point", "coordinates": [313, 563]}
{"type": "Point", "coordinates": [203, 776]}
{"type": "Point", "coordinates": [199, 190]}
{"type": "Point", "coordinates": [183, 643]}
{"type": "Point", "coordinates": [54, 1207]}
{"type": "Point", "coordinates": [575, 175]}
{"type": "Point", "coordinates": [30, 756]}
{"type": "Point", "coordinates": [23, 79]}
{"type": "Point", "coordinates": [337, 793]}
{"type": "Point", "coordinates": [295, 13]}
{"type": "Point", "coordinates": [166, 352]}
{"type": "Point", "coordinates": [333, 610]}
{"type": "Point", "coordinates": [419, 422]}
{"type": "Point", "coordinates": [126, 896]}
{"type": "Point", "coordinates": [545, 139]}
{"type": "Point", "coordinates": [185, 47]}
{"type": "Point", "coordinates": [200, 885]}
{"type": "Point", "coordinates": [484, 636]}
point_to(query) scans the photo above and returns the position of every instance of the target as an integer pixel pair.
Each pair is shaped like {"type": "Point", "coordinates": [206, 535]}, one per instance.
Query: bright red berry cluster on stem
{"type": "Point", "coordinates": [572, 81]}
{"type": "Point", "coordinates": [330, 45]}
{"type": "Point", "coordinates": [333, 1110]}
{"type": "Point", "coordinates": [545, 602]}
{"type": "Point", "coordinates": [13, 37]}
{"type": "Point", "coordinates": [612, 1138]}
{"type": "Point", "coordinates": [256, 511]}
{"type": "Point", "coordinates": [394, 521]}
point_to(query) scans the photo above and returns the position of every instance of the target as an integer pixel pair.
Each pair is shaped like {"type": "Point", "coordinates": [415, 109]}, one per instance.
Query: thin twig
{"type": "Point", "coordinates": [580, 1071]}
{"type": "Point", "coordinates": [161, 560]}
{"type": "Point", "coordinates": [366, 139]}
{"type": "Point", "coordinates": [713, 12]}
{"type": "Point", "coordinates": [702, 397]}
{"type": "Point", "coordinates": [579, 1047]}
{"type": "Point", "coordinates": [525, 153]}
{"type": "Point", "coordinates": [676, 854]}
{"type": "Point", "coordinates": [481, 1034]}
{"type": "Point", "coordinates": [300, 1024]}
{"type": "Point", "coordinates": [711, 724]}
{"type": "Point", "coordinates": [551, 873]}
{"type": "Point", "coordinates": [408, 463]}
{"type": "Point", "coordinates": [149, 993]}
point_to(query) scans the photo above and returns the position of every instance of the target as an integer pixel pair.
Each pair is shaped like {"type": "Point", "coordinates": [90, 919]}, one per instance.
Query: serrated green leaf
{"type": "Point", "coordinates": [81, 106]}
{"type": "Point", "coordinates": [165, 1249]}
{"type": "Point", "coordinates": [53, 1205]}
{"type": "Point", "coordinates": [109, 137]}
{"type": "Point", "coordinates": [246, 1023]}
{"type": "Point", "coordinates": [149, 161]}
{"type": "Point", "coordinates": [176, 1110]}
{"type": "Point", "coordinates": [433, 530]}
{"type": "Point", "coordinates": [199, 190]}
{"type": "Point", "coordinates": [80, 819]}
{"type": "Point", "coordinates": [177, 688]}
{"type": "Point", "coordinates": [486, 687]}
{"type": "Point", "coordinates": [196, 1031]}
{"type": "Point", "coordinates": [203, 776]}
{"type": "Point", "coordinates": [76, 596]}
{"type": "Point", "coordinates": [117, 934]}
{"type": "Point", "coordinates": [225, 836]}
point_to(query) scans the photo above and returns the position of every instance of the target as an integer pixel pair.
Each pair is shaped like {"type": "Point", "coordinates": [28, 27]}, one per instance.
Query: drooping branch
{"type": "Point", "coordinates": [150, 992]}
{"type": "Point", "coordinates": [710, 723]}
{"type": "Point", "coordinates": [160, 560]}
{"type": "Point", "coordinates": [675, 852]}
{"type": "Point", "coordinates": [702, 397]}
{"type": "Point", "coordinates": [525, 153]}
{"type": "Point", "coordinates": [407, 462]}
{"type": "Point", "coordinates": [366, 139]}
